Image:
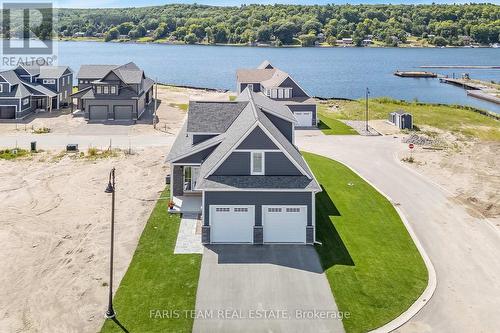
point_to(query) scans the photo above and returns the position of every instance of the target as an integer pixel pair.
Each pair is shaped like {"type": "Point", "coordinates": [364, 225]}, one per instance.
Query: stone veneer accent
{"type": "Point", "coordinates": [309, 235]}
{"type": "Point", "coordinates": [177, 179]}
{"type": "Point", "coordinates": [205, 234]}
{"type": "Point", "coordinates": [258, 235]}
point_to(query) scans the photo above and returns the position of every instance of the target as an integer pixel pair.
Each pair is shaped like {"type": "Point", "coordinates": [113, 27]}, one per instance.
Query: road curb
{"type": "Point", "coordinates": [426, 295]}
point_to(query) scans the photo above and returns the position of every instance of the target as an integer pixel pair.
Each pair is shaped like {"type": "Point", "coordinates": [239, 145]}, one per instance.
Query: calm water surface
{"type": "Point", "coordinates": [326, 72]}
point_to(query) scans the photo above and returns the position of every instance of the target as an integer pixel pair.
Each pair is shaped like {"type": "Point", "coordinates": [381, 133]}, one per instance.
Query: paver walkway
{"type": "Point", "coordinates": [189, 236]}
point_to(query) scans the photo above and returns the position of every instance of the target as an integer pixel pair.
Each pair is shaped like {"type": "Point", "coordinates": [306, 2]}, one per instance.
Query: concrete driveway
{"type": "Point", "coordinates": [270, 288]}
{"type": "Point", "coordinates": [464, 249]}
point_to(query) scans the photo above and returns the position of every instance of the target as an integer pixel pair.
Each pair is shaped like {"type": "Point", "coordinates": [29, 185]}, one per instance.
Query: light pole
{"type": "Point", "coordinates": [367, 93]}
{"type": "Point", "coordinates": [110, 313]}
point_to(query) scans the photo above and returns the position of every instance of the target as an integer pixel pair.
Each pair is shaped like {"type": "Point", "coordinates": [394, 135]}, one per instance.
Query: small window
{"type": "Point", "coordinates": [293, 210]}
{"type": "Point", "coordinates": [99, 89]}
{"type": "Point", "coordinates": [47, 81]}
{"type": "Point", "coordinates": [113, 89]}
{"type": "Point", "coordinates": [241, 210]}
{"type": "Point", "coordinates": [250, 86]}
{"type": "Point", "coordinates": [1, 87]}
{"type": "Point", "coordinates": [106, 90]}
{"type": "Point", "coordinates": [26, 101]}
{"type": "Point", "coordinates": [257, 163]}
{"type": "Point", "coordinates": [274, 210]}
{"type": "Point", "coordinates": [268, 92]}
{"type": "Point", "coordinates": [222, 209]}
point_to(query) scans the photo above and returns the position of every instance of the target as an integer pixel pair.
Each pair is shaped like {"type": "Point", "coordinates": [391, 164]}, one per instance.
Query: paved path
{"type": "Point", "coordinates": [280, 282]}
{"type": "Point", "coordinates": [189, 236]}
{"type": "Point", "coordinates": [465, 250]}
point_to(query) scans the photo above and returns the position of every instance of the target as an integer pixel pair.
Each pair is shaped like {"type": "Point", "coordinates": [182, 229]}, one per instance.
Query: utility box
{"type": "Point", "coordinates": [167, 180]}
{"type": "Point", "coordinates": [33, 146]}
{"type": "Point", "coordinates": [401, 119]}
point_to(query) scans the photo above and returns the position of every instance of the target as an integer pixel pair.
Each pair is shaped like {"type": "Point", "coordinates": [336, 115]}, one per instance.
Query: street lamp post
{"type": "Point", "coordinates": [367, 93]}
{"type": "Point", "coordinates": [110, 313]}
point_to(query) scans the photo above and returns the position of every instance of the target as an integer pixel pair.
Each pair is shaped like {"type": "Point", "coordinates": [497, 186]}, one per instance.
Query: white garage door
{"type": "Point", "coordinates": [284, 224]}
{"type": "Point", "coordinates": [304, 118]}
{"type": "Point", "coordinates": [231, 224]}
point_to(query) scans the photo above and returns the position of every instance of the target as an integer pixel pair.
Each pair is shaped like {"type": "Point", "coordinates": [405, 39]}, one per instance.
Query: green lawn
{"type": "Point", "coordinates": [331, 126]}
{"type": "Point", "coordinates": [157, 279]}
{"type": "Point", "coordinates": [373, 267]}
{"type": "Point", "coordinates": [445, 117]}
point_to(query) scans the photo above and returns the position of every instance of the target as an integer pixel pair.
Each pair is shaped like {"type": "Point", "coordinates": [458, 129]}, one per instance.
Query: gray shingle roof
{"type": "Point", "coordinates": [183, 144]}
{"type": "Point", "coordinates": [94, 71]}
{"type": "Point", "coordinates": [254, 75]}
{"type": "Point", "coordinates": [52, 72]}
{"type": "Point", "coordinates": [265, 65]}
{"type": "Point", "coordinates": [212, 117]}
{"type": "Point", "coordinates": [271, 106]}
{"type": "Point", "coordinates": [24, 89]}
{"type": "Point", "coordinates": [257, 182]}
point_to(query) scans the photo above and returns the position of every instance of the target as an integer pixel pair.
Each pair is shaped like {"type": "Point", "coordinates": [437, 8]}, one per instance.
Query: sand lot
{"type": "Point", "coordinates": [54, 231]}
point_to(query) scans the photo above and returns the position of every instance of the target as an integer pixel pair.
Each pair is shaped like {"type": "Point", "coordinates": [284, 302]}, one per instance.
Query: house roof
{"type": "Point", "coordinates": [212, 117]}
{"type": "Point", "coordinates": [265, 65]}
{"type": "Point", "coordinates": [21, 89]}
{"type": "Point", "coordinates": [268, 105]}
{"type": "Point", "coordinates": [254, 75]}
{"type": "Point", "coordinates": [94, 71]}
{"type": "Point", "coordinates": [257, 182]}
{"type": "Point", "coordinates": [52, 72]}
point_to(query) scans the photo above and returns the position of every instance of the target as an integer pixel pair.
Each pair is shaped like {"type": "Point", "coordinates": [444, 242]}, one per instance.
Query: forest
{"type": "Point", "coordinates": [279, 25]}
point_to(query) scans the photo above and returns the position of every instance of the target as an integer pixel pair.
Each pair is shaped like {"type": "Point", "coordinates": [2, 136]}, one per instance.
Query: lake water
{"type": "Point", "coordinates": [325, 72]}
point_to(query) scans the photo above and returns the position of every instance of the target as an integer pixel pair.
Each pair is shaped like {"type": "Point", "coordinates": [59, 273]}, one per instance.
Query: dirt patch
{"type": "Point", "coordinates": [469, 170]}
{"type": "Point", "coordinates": [54, 230]}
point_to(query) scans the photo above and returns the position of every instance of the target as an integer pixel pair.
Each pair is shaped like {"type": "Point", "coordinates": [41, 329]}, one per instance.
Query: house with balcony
{"type": "Point", "coordinates": [34, 87]}
{"type": "Point", "coordinates": [113, 93]}
{"type": "Point", "coordinates": [237, 166]}
{"type": "Point", "coordinates": [280, 87]}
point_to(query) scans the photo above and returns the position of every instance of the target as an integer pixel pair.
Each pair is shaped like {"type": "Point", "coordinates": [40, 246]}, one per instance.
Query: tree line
{"type": "Point", "coordinates": [288, 24]}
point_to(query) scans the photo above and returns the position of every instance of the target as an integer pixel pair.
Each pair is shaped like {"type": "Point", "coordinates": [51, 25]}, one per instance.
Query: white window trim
{"type": "Point", "coordinates": [1, 88]}
{"type": "Point", "coordinates": [112, 90]}
{"type": "Point", "coordinates": [49, 81]}
{"type": "Point", "coordinates": [263, 171]}
{"type": "Point", "coordinates": [26, 101]}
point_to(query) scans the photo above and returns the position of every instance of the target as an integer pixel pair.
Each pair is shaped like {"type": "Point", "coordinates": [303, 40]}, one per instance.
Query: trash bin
{"type": "Point", "coordinates": [33, 146]}
{"type": "Point", "coordinates": [72, 147]}
{"type": "Point", "coordinates": [167, 180]}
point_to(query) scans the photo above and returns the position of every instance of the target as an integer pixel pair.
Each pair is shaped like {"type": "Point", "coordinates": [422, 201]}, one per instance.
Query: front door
{"type": "Point", "coordinates": [191, 174]}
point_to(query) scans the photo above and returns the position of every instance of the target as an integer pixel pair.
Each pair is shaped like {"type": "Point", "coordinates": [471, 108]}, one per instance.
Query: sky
{"type": "Point", "coordinates": [142, 3]}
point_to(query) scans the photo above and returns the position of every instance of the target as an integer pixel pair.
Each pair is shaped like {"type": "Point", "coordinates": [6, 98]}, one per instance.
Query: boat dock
{"type": "Point", "coordinates": [475, 89]}
{"type": "Point", "coordinates": [416, 74]}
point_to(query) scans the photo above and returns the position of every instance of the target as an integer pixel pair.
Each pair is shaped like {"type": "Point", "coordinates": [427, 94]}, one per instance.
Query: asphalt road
{"type": "Point", "coordinates": [465, 250]}
{"type": "Point", "coordinates": [270, 288]}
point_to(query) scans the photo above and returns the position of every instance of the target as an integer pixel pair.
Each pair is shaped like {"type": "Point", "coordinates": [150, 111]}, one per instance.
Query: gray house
{"type": "Point", "coordinates": [279, 86]}
{"type": "Point", "coordinates": [236, 164]}
{"type": "Point", "coordinates": [110, 92]}
{"type": "Point", "coordinates": [32, 87]}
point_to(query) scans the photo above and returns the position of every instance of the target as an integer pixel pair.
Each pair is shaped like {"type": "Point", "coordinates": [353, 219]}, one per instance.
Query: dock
{"type": "Point", "coordinates": [461, 67]}
{"type": "Point", "coordinates": [475, 89]}
{"type": "Point", "coordinates": [416, 74]}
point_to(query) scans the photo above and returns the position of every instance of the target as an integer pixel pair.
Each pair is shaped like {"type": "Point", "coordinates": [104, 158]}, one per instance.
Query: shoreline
{"type": "Point", "coordinates": [376, 46]}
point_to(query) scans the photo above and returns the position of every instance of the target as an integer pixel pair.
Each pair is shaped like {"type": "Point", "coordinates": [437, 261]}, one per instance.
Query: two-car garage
{"type": "Point", "coordinates": [280, 223]}
{"type": "Point", "coordinates": [111, 112]}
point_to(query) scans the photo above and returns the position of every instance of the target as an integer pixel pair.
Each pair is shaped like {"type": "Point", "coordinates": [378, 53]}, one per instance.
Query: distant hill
{"type": "Point", "coordinates": [288, 24]}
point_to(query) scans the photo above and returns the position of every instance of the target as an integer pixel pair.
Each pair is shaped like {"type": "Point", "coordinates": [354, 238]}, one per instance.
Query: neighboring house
{"type": "Point", "coordinates": [31, 87]}
{"type": "Point", "coordinates": [236, 163]}
{"type": "Point", "coordinates": [279, 86]}
{"type": "Point", "coordinates": [110, 92]}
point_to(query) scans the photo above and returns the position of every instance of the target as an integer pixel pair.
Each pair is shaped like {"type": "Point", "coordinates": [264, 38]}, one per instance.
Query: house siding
{"type": "Point", "coordinates": [237, 164]}
{"type": "Point", "coordinates": [197, 157]}
{"type": "Point", "coordinates": [284, 126]}
{"type": "Point", "coordinates": [305, 107]}
{"type": "Point", "coordinates": [257, 199]}
{"type": "Point", "coordinates": [198, 138]}
{"type": "Point", "coordinates": [296, 90]}
{"type": "Point", "coordinates": [277, 164]}
{"type": "Point", "coordinates": [256, 86]}
{"type": "Point", "coordinates": [257, 139]}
